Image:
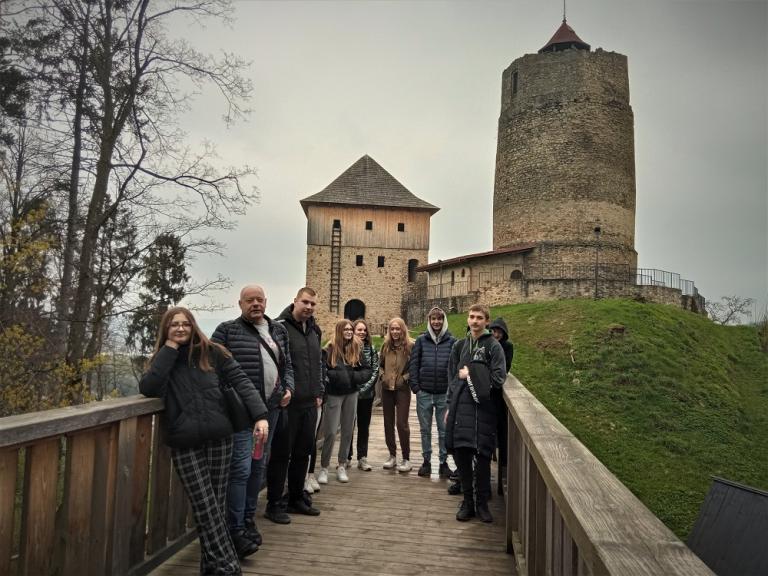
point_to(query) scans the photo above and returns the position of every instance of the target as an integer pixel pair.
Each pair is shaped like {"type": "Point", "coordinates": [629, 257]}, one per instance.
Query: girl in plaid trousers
{"type": "Point", "coordinates": [185, 370]}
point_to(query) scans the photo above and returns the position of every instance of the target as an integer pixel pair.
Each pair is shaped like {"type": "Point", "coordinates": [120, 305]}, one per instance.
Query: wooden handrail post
{"type": "Point", "coordinates": [567, 514]}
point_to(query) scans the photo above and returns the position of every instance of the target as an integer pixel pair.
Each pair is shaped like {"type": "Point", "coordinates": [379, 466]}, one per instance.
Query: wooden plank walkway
{"type": "Point", "coordinates": [380, 523]}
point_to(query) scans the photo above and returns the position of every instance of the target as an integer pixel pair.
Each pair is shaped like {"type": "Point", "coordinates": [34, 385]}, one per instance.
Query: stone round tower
{"type": "Point", "coordinates": [565, 162]}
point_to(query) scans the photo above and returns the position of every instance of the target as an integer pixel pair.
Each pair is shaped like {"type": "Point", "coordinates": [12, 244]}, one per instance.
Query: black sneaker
{"type": "Point", "coordinates": [425, 471]}
{"type": "Point", "coordinates": [454, 475]}
{"type": "Point", "coordinates": [445, 470]}
{"type": "Point", "coordinates": [252, 532]}
{"type": "Point", "coordinates": [483, 513]}
{"type": "Point", "coordinates": [244, 546]}
{"type": "Point", "coordinates": [466, 511]}
{"type": "Point", "coordinates": [300, 506]}
{"type": "Point", "coordinates": [454, 488]}
{"type": "Point", "coordinates": [276, 513]}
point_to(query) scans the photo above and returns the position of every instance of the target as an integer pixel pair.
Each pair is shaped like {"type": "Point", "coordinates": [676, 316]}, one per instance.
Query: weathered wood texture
{"type": "Point", "coordinates": [612, 531]}
{"type": "Point", "coordinates": [26, 428]}
{"type": "Point", "coordinates": [381, 522]}
{"type": "Point", "coordinates": [100, 528]}
{"type": "Point", "coordinates": [39, 506]}
{"type": "Point", "coordinates": [384, 232]}
{"type": "Point", "coordinates": [8, 466]}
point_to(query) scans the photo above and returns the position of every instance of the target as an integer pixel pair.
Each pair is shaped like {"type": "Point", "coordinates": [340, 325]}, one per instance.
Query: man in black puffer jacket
{"type": "Point", "coordinates": [296, 443]}
{"type": "Point", "coordinates": [428, 379]}
{"type": "Point", "coordinates": [476, 366]}
{"type": "Point", "coordinates": [261, 348]}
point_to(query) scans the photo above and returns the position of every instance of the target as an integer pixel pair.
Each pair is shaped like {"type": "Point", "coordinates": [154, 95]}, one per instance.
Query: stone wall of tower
{"type": "Point", "coordinates": [565, 157]}
{"type": "Point", "coordinates": [380, 288]}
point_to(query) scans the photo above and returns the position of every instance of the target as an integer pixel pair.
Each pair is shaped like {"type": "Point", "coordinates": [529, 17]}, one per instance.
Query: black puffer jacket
{"type": "Point", "coordinates": [344, 379]}
{"type": "Point", "coordinates": [240, 337]}
{"type": "Point", "coordinates": [472, 424]}
{"type": "Point", "coordinates": [429, 363]}
{"type": "Point", "coordinates": [307, 359]}
{"type": "Point", "coordinates": [194, 406]}
{"type": "Point", "coordinates": [506, 345]}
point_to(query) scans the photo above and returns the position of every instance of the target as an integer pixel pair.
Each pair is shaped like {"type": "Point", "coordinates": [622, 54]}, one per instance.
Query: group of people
{"type": "Point", "coordinates": [297, 392]}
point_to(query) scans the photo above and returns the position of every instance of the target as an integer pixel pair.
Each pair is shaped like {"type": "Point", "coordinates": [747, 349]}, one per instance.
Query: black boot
{"type": "Point", "coordinates": [252, 532]}
{"type": "Point", "coordinates": [482, 511]}
{"type": "Point", "coordinates": [454, 488]}
{"type": "Point", "coordinates": [425, 471]}
{"type": "Point", "coordinates": [466, 510]}
{"type": "Point", "coordinates": [244, 546]}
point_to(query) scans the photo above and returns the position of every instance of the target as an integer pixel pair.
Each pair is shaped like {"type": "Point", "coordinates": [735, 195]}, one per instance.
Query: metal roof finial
{"type": "Point", "coordinates": [563, 10]}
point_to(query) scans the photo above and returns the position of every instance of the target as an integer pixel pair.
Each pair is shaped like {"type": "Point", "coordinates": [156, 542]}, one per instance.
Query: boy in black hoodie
{"type": "Point", "coordinates": [475, 368]}
{"type": "Point", "coordinates": [499, 329]}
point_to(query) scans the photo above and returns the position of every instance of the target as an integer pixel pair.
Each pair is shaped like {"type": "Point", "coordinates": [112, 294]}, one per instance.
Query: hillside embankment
{"type": "Point", "coordinates": [663, 397]}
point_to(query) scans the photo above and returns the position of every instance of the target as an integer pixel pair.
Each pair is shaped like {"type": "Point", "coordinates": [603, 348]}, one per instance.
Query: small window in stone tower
{"type": "Point", "coordinates": [462, 272]}
{"type": "Point", "coordinates": [369, 225]}
{"type": "Point", "coordinates": [514, 82]}
{"type": "Point", "coordinates": [453, 277]}
{"type": "Point", "coordinates": [381, 261]}
{"type": "Point", "coordinates": [401, 227]}
{"type": "Point", "coordinates": [412, 264]}
{"type": "Point", "coordinates": [359, 260]}
{"type": "Point", "coordinates": [337, 223]}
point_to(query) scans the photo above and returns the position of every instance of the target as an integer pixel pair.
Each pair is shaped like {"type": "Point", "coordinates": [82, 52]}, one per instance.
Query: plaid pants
{"type": "Point", "coordinates": [204, 472]}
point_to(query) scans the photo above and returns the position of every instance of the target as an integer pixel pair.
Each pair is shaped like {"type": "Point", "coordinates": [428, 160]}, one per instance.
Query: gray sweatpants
{"type": "Point", "coordinates": [337, 409]}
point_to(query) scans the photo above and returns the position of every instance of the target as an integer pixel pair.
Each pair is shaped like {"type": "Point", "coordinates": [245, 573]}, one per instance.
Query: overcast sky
{"type": "Point", "coordinates": [416, 85]}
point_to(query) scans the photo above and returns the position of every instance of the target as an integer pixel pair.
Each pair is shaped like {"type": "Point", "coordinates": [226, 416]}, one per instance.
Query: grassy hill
{"type": "Point", "coordinates": [663, 397]}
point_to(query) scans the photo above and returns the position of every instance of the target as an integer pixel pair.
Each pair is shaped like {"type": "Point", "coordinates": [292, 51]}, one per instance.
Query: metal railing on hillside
{"type": "Point", "coordinates": [567, 514]}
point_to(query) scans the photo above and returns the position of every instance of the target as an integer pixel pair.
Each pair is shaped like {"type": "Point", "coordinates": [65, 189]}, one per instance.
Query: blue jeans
{"type": "Point", "coordinates": [246, 475]}
{"type": "Point", "coordinates": [425, 404]}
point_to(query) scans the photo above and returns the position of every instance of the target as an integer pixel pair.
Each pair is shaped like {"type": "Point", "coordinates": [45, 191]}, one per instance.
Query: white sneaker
{"type": "Point", "coordinates": [322, 478]}
{"type": "Point", "coordinates": [313, 482]}
{"type": "Point", "coordinates": [389, 464]}
{"type": "Point", "coordinates": [341, 473]}
{"type": "Point", "coordinates": [362, 464]}
{"type": "Point", "coordinates": [308, 487]}
{"type": "Point", "coordinates": [404, 466]}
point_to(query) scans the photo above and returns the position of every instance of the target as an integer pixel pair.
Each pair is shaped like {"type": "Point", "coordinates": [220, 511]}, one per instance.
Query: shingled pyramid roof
{"type": "Point", "coordinates": [366, 183]}
{"type": "Point", "coordinates": [564, 37]}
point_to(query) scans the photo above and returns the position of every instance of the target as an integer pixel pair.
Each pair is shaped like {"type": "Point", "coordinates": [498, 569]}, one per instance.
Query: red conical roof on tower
{"type": "Point", "coordinates": [564, 38]}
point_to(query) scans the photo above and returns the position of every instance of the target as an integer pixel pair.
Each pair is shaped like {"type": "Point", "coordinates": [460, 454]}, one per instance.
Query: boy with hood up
{"type": "Point", "coordinates": [499, 329]}
{"type": "Point", "coordinates": [428, 379]}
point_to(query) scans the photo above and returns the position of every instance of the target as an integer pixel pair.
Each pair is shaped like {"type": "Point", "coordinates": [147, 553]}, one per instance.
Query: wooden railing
{"type": "Point", "coordinates": [568, 514]}
{"type": "Point", "coordinates": [88, 490]}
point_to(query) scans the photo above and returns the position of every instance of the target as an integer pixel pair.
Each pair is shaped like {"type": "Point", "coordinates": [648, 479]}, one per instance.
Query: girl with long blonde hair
{"type": "Point", "coordinates": [394, 362]}
{"type": "Point", "coordinates": [347, 372]}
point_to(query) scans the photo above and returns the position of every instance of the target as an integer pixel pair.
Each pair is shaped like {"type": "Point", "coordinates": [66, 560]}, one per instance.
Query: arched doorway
{"type": "Point", "coordinates": [354, 309]}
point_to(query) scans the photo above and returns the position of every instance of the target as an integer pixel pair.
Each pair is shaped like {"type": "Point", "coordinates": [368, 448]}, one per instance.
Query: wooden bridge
{"type": "Point", "coordinates": [90, 490]}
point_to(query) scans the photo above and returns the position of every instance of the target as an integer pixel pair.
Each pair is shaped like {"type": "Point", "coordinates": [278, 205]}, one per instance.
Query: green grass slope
{"type": "Point", "coordinates": [663, 397]}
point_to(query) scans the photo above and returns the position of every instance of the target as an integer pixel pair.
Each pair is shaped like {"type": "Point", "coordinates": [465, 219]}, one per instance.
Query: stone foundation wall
{"type": "Point", "coordinates": [381, 289]}
{"type": "Point", "coordinates": [521, 291]}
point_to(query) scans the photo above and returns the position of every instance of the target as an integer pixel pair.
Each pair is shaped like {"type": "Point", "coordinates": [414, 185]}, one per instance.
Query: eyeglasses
{"type": "Point", "coordinates": [175, 325]}
{"type": "Point", "coordinates": [348, 330]}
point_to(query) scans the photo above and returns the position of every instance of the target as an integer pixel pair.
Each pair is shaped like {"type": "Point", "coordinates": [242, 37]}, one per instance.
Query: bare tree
{"type": "Point", "coordinates": [103, 82]}
{"type": "Point", "coordinates": [730, 309]}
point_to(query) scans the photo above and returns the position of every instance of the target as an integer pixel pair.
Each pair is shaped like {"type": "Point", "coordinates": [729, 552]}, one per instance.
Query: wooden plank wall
{"type": "Point", "coordinates": [384, 233]}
